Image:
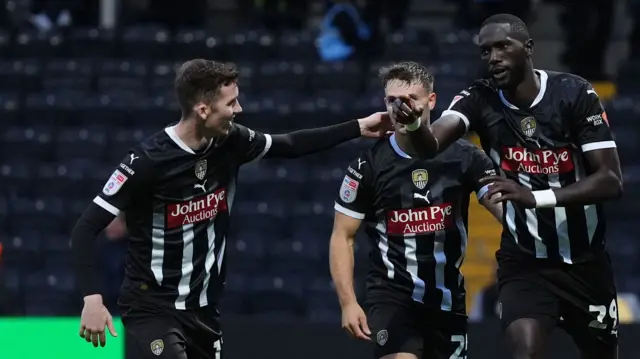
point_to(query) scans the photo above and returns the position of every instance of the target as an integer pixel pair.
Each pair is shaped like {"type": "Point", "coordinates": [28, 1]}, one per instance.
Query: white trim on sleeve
{"type": "Point", "coordinates": [106, 206]}
{"type": "Point", "coordinates": [464, 118]}
{"type": "Point", "coordinates": [348, 212]}
{"type": "Point", "coordinates": [598, 145]}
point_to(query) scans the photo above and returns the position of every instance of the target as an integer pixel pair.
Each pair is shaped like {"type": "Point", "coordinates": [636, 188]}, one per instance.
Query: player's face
{"type": "Point", "coordinates": [505, 57]}
{"type": "Point", "coordinates": [218, 115]}
{"type": "Point", "coordinates": [415, 91]}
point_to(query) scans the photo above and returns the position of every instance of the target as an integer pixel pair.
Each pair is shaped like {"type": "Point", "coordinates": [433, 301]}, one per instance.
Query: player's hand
{"type": "Point", "coordinates": [503, 189]}
{"type": "Point", "coordinates": [95, 317]}
{"type": "Point", "coordinates": [405, 110]}
{"type": "Point", "coordinates": [376, 125]}
{"type": "Point", "coordinates": [354, 321]}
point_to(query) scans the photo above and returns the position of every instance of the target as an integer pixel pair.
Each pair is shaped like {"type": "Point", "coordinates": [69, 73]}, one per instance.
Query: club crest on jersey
{"type": "Point", "coordinates": [114, 183]}
{"type": "Point", "coordinates": [349, 189]}
{"type": "Point", "coordinates": [420, 178]}
{"type": "Point", "coordinates": [382, 337]}
{"type": "Point", "coordinates": [201, 169]}
{"type": "Point", "coordinates": [157, 347]}
{"type": "Point", "coordinates": [528, 126]}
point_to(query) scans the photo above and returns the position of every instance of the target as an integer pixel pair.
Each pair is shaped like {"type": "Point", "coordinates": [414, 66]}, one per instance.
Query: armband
{"type": "Point", "coordinates": [545, 198]}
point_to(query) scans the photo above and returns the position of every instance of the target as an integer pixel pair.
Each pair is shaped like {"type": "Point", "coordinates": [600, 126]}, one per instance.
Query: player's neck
{"type": "Point", "coordinates": [403, 141]}
{"type": "Point", "coordinates": [526, 92]}
{"type": "Point", "coordinates": [189, 133]}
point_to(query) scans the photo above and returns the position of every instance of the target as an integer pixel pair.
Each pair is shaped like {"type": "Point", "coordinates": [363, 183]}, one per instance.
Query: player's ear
{"type": "Point", "coordinates": [432, 101]}
{"type": "Point", "coordinates": [528, 46]}
{"type": "Point", "coordinates": [202, 110]}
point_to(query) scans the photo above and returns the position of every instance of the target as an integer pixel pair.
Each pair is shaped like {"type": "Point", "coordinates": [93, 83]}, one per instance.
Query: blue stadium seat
{"type": "Point", "coordinates": [81, 143]}
{"type": "Point", "coordinates": [345, 76]}
{"type": "Point", "coordinates": [19, 76]}
{"type": "Point", "coordinates": [298, 46]}
{"type": "Point", "coordinates": [18, 178]}
{"type": "Point", "coordinates": [290, 76]}
{"type": "Point", "coordinates": [195, 44]}
{"type": "Point", "coordinates": [10, 108]}
{"type": "Point", "coordinates": [145, 42]}
{"type": "Point", "coordinates": [33, 143]}
{"type": "Point", "coordinates": [88, 42]}
{"type": "Point", "coordinates": [34, 44]}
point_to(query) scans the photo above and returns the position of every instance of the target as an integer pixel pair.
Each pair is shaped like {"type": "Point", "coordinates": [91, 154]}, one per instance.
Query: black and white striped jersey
{"type": "Point", "coordinates": [415, 214]}
{"type": "Point", "coordinates": [542, 147]}
{"type": "Point", "coordinates": [176, 203]}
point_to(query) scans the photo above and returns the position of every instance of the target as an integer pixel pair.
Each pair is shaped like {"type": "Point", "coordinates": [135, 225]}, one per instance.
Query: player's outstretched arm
{"type": "Point", "coordinates": [341, 261]}
{"type": "Point", "coordinates": [304, 142]}
{"type": "Point", "coordinates": [428, 139]}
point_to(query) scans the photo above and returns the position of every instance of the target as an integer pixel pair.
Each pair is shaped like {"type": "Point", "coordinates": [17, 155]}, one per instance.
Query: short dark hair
{"type": "Point", "coordinates": [409, 72]}
{"type": "Point", "coordinates": [200, 80]}
{"type": "Point", "coordinates": [516, 24]}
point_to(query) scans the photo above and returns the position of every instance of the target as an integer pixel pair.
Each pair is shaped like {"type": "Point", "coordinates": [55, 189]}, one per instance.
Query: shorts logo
{"type": "Point", "coordinates": [382, 337]}
{"type": "Point", "coordinates": [201, 169]}
{"type": "Point", "coordinates": [114, 183]}
{"type": "Point", "coordinates": [528, 126]}
{"type": "Point", "coordinates": [420, 178]}
{"type": "Point", "coordinates": [157, 347]}
{"type": "Point", "coordinates": [349, 189]}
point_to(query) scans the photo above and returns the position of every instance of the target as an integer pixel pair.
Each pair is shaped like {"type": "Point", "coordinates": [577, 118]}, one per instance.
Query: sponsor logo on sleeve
{"type": "Point", "coordinates": [114, 183]}
{"type": "Point", "coordinates": [455, 99]}
{"type": "Point", "coordinates": [349, 189]}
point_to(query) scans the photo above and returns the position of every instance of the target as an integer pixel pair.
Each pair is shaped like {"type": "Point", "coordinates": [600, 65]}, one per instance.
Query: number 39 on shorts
{"type": "Point", "coordinates": [606, 317]}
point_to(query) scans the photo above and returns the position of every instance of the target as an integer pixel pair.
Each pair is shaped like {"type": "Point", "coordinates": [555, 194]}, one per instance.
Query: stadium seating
{"type": "Point", "coordinates": [72, 104]}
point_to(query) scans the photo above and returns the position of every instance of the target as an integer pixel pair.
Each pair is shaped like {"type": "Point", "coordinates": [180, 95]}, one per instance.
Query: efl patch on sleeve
{"type": "Point", "coordinates": [114, 183]}
{"type": "Point", "coordinates": [349, 189]}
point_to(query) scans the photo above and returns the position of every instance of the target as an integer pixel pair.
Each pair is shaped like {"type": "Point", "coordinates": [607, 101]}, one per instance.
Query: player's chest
{"type": "Point", "coordinates": [420, 198]}
{"type": "Point", "coordinates": [417, 185]}
{"type": "Point", "coordinates": [533, 142]}
{"type": "Point", "coordinates": [195, 190]}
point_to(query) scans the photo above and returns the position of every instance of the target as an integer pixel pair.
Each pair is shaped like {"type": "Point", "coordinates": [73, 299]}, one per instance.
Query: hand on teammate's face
{"type": "Point", "coordinates": [405, 110]}
{"type": "Point", "coordinates": [509, 190]}
{"type": "Point", "coordinates": [95, 317]}
{"type": "Point", "coordinates": [376, 125]}
{"type": "Point", "coordinates": [354, 321]}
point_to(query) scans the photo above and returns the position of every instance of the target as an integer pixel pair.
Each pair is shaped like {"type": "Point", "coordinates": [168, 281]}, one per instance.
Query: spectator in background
{"type": "Point", "coordinates": [343, 33]}
{"type": "Point", "coordinates": [51, 14]}
{"type": "Point", "coordinates": [588, 25]}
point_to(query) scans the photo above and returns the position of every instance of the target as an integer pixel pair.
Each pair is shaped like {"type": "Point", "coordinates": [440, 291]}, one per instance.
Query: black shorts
{"type": "Point", "coordinates": [173, 334]}
{"type": "Point", "coordinates": [413, 329]}
{"type": "Point", "coordinates": [580, 298]}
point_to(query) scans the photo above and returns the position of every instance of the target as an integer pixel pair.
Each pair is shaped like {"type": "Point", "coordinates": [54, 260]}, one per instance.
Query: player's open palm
{"type": "Point", "coordinates": [354, 321]}
{"type": "Point", "coordinates": [93, 321]}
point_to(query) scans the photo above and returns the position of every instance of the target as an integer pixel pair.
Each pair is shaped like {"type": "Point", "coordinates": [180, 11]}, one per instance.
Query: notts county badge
{"type": "Point", "coordinates": [528, 125]}
{"type": "Point", "coordinates": [420, 178]}
{"type": "Point", "coordinates": [382, 337]}
{"type": "Point", "coordinates": [157, 347]}
{"type": "Point", "coordinates": [201, 169]}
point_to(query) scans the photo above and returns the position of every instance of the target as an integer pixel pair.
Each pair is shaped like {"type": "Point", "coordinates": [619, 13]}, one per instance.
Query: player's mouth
{"type": "Point", "coordinates": [499, 73]}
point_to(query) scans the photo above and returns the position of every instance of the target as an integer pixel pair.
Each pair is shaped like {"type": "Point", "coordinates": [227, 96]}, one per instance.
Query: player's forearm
{"type": "Point", "coordinates": [83, 248]}
{"type": "Point", "coordinates": [596, 188]}
{"type": "Point", "coordinates": [304, 142]}
{"type": "Point", "coordinates": [341, 262]}
{"type": "Point", "coordinates": [423, 141]}
{"type": "Point", "coordinates": [494, 208]}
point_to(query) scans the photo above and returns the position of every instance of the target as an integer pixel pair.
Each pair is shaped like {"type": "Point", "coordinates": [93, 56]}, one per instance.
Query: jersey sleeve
{"type": "Point", "coordinates": [591, 125]}
{"type": "Point", "coordinates": [468, 106]}
{"type": "Point", "coordinates": [354, 197]}
{"type": "Point", "coordinates": [478, 166]}
{"type": "Point", "coordinates": [247, 144]}
{"type": "Point", "coordinates": [129, 179]}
